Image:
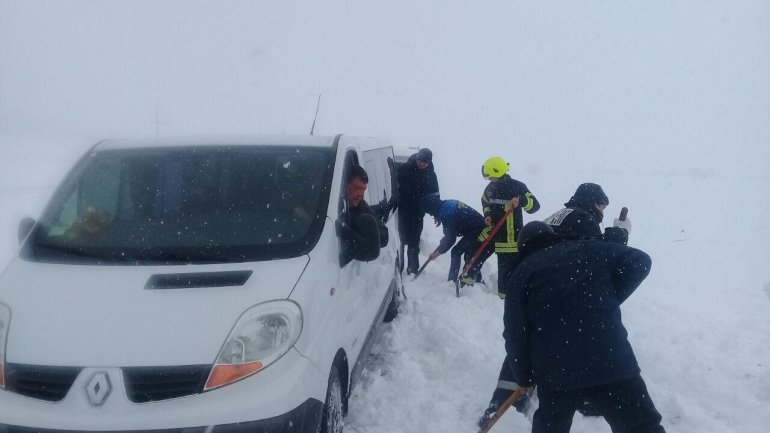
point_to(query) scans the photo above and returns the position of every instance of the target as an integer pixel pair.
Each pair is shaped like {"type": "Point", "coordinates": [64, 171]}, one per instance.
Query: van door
{"type": "Point", "coordinates": [378, 164]}
{"type": "Point", "coordinates": [358, 291]}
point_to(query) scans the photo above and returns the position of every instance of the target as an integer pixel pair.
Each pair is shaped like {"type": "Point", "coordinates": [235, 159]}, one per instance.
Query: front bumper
{"type": "Point", "coordinates": [289, 391]}
{"type": "Point", "coordinates": [303, 419]}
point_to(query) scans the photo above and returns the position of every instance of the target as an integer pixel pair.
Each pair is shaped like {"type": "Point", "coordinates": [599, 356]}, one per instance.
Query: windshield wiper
{"type": "Point", "coordinates": [73, 252]}
{"type": "Point", "coordinates": [181, 257]}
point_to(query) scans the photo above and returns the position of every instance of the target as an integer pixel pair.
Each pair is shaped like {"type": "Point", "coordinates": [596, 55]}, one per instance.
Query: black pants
{"type": "Point", "coordinates": [505, 378]}
{"type": "Point", "coordinates": [626, 406]}
{"type": "Point", "coordinates": [466, 248]}
{"type": "Point", "coordinates": [506, 383]}
{"type": "Point", "coordinates": [505, 263]}
{"type": "Point", "coordinates": [409, 230]}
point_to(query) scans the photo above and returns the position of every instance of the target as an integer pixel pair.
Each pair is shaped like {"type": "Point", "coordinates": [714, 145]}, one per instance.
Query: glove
{"type": "Point", "coordinates": [625, 224]}
{"type": "Point", "coordinates": [392, 203]}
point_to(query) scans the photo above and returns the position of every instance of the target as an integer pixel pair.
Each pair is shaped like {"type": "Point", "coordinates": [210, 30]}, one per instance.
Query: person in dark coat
{"type": "Point", "coordinates": [583, 214]}
{"type": "Point", "coordinates": [502, 194]}
{"type": "Point", "coordinates": [458, 220]}
{"type": "Point", "coordinates": [416, 179]}
{"type": "Point", "coordinates": [582, 217]}
{"type": "Point", "coordinates": [564, 333]}
{"type": "Point", "coordinates": [353, 238]}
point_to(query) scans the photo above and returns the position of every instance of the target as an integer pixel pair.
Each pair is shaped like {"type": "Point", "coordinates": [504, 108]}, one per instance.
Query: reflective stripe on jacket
{"type": "Point", "coordinates": [496, 201]}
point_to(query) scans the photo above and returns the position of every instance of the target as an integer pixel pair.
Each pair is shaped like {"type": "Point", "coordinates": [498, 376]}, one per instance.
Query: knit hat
{"type": "Point", "coordinates": [531, 231]}
{"type": "Point", "coordinates": [424, 154]}
{"type": "Point", "coordinates": [587, 195]}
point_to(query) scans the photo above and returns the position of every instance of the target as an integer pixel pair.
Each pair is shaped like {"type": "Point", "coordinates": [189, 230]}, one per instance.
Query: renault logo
{"type": "Point", "coordinates": [98, 389]}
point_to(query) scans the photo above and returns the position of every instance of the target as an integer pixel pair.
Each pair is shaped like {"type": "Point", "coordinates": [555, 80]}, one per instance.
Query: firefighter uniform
{"type": "Point", "coordinates": [496, 201]}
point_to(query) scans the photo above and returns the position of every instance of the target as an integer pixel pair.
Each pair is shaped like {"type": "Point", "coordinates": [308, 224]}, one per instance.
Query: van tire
{"type": "Point", "coordinates": [331, 421]}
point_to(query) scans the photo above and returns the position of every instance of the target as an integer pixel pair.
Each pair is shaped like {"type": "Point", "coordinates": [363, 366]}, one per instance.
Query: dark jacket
{"type": "Point", "coordinates": [414, 184]}
{"type": "Point", "coordinates": [579, 222]}
{"type": "Point", "coordinates": [496, 201]}
{"type": "Point", "coordinates": [364, 208]}
{"type": "Point", "coordinates": [460, 220]}
{"type": "Point", "coordinates": [563, 326]}
{"type": "Point", "coordinates": [354, 242]}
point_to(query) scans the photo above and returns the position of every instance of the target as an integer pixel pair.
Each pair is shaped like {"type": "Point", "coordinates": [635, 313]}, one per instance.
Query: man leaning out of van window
{"type": "Point", "coordinates": [356, 233]}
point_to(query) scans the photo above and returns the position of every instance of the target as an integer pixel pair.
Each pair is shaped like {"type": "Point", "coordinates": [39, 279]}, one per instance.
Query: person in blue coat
{"type": "Point", "coordinates": [458, 220]}
{"type": "Point", "coordinates": [564, 333]}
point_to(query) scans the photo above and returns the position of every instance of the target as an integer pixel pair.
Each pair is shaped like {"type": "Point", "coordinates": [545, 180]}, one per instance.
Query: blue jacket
{"type": "Point", "coordinates": [460, 220]}
{"type": "Point", "coordinates": [563, 326]}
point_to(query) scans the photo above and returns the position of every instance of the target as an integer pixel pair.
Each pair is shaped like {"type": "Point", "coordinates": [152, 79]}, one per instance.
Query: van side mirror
{"type": "Point", "coordinates": [360, 240]}
{"type": "Point", "coordinates": [25, 226]}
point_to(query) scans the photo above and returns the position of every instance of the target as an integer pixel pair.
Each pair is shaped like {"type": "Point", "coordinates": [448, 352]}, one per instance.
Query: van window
{"type": "Point", "coordinates": [188, 204]}
{"type": "Point", "coordinates": [380, 167]}
{"type": "Point", "coordinates": [351, 160]}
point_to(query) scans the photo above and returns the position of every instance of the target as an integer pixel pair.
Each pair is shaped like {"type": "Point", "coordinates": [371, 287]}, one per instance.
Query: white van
{"type": "Point", "coordinates": [196, 285]}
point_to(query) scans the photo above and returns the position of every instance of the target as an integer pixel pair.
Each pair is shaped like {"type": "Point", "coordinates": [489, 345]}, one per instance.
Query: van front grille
{"type": "Point", "coordinates": [146, 384]}
{"type": "Point", "coordinates": [143, 384]}
{"type": "Point", "coordinates": [40, 381]}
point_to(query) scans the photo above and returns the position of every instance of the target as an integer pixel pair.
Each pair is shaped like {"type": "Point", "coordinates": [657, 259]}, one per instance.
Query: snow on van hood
{"type": "Point", "coordinates": [102, 316]}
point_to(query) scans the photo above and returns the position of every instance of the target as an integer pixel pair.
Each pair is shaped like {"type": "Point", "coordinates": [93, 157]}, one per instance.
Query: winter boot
{"type": "Point", "coordinates": [467, 280]}
{"type": "Point", "coordinates": [489, 413]}
{"type": "Point", "coordinates": [521, 404]}
{"type": "Point", "coordinates": [480, 280]}
{"type": "Point", "coordinates": [413, 262]}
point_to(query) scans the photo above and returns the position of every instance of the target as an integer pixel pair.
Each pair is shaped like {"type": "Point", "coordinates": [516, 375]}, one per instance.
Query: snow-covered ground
{"type": "Point", "coordinates": [663, 103]}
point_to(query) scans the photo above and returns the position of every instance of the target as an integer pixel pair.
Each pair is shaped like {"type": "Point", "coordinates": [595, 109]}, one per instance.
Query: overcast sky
{"type": "Point", "coordinates": [648, 86]}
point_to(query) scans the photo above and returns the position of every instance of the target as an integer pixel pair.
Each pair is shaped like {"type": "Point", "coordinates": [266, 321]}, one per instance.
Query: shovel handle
{"type": "Point", "coordinates": [488, 240]}
{"type": "Point", "coordinates": [421, 269]}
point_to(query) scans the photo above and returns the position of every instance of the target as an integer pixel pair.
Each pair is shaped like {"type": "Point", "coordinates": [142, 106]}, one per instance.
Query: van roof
{"type": "Point", "coordinates": [219, 140]}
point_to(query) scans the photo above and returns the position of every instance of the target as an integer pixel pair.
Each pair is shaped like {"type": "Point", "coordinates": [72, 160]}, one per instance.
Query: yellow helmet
{"type": "Point", "coordinates": [494, 167]}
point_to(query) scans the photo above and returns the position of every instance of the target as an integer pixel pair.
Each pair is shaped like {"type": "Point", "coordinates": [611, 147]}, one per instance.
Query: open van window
{"type": "Point", "coordinates": [198, 204]}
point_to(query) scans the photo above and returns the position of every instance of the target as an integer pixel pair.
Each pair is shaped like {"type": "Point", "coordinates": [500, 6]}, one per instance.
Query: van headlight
{"type": "Point", "coordinates": [262, 335]}
{"type": "Point", "coordinates": [5, 320]}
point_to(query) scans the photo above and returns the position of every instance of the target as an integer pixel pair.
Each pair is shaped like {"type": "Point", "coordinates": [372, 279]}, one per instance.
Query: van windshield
{"type": "Point", "coordinates": [187, 205]}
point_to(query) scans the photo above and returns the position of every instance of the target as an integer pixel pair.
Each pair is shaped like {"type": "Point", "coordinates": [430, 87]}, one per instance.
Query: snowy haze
{"type": "Point", "coordinates": [666, 104]}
